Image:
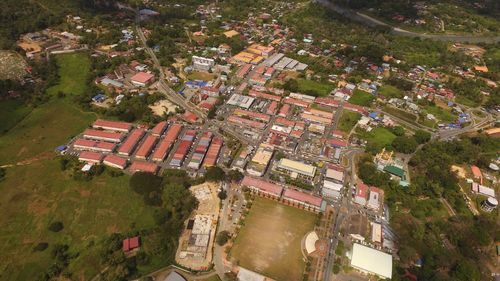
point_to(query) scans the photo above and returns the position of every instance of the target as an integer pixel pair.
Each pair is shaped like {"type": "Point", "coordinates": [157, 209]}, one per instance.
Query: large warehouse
{"type": "Point", "coordinates": [296, 169]}
{"type": "Point", "coordinates": [371, 261]}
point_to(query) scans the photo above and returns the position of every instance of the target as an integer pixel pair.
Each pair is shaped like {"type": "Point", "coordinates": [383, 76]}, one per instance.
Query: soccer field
{"type": "Point", "coordinates": [270, 241]}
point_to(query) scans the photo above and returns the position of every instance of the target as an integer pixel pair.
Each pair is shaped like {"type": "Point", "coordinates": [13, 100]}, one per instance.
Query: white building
{"type": "Point", "coordinates": [371, 261]}
{"type": "Point", "coordinates": [201, 63]}
{"type": "Point", "coordinates": [331, 189]}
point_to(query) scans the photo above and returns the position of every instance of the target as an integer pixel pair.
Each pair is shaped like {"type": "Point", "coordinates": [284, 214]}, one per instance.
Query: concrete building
{"type": "Point", "coordinates": [304, 200]}
{"type": "Point", "coordinates": [331, 189]}
{"type": "Point", "coordinates": [371, 261]}
{"type": "Point", "coordinates": [201, 63]}
{"type": "Point", "coordinates": [240, 101]}
{"type": "Point", "coordinates": [296, 169]}
{"type": "Point", "coordinates": [260, 161]}
{"type": "Point", "coordinates": [142, 79]}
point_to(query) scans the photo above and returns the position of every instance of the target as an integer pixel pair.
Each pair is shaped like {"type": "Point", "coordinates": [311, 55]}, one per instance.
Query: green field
{"type": "Point", "coordinates": [54, 122]}
{"type": "Point", "coordinates": [11, 112]}
{"type": "Point", "coordinates": [404, 115]}
{"type": "Point", "coordinates": [33, 196]}
{"type": "Point", "coordinates": [441, 114]}
{"type": "Point", "coordinates": [361, 98]}
{"type": "Point", "coordinates": [389, 91]}
{"type": "Point", "coordinates": [322, 89]}
{"type": "Point", "coordinates": [348, 120]}
{"type": "Point", "coordinates": [270, 241]}
{"type": "Point", "coordinates": [380, 137]}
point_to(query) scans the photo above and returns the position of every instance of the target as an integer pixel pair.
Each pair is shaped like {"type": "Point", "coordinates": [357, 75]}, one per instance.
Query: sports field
{"type": "Point", "coordinates": [270, 241]}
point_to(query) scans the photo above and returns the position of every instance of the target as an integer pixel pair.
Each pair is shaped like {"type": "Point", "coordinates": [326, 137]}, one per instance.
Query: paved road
{"type": "Point", "coordinates": [341, 213]}
{"type": "Point", "coordinates": [372, 22]}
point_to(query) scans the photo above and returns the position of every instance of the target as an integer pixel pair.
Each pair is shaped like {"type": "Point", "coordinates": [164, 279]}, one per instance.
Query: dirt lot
{"type": "Point", "coordinates": [12, 65]}
{"type": "Point", "coordinates": [359, 225]}
{"type": "Point", "coordinates": [162, 107]}
{"type": "Point", "coordinates": [270, 241]}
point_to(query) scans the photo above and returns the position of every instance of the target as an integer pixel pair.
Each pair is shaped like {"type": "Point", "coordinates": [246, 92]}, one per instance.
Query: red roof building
{"type": "Point", "coordinates": [103, 135]}
{"type": "Point", "coordinates": [361, 193]}
{"type": "Point", "coordinates": [146, 147]}
{"type": "Point", "coordinates": [112, 125]}
{"type": "Point", "coordinates": [115, 161]}
{"type": "Point", "coordinates": [142, 79]}
{"type": "Point", "coordinates": [243, 121]}
{"type": "Point", "coordinates": [190, 117]}
{"type": "Point", "coordinates": [130, 244]}
{"type": "Point", "coordinates": [284, 110]}
{"type": "Point", "coordinates": [166, 143]}
{"type": "Point", "coordinates": [262, 186]}
{"type": "Point", "coordinates": [243, 71]}
{"type": "Point", "coordinates": [303, 198]}
{"type": "Point", "coordinates": [83, 144]}
{"type": "Point", "coordinates": [159, 128]}
{"type": "Point", "coordinates": [262, 95]}
{"type": "Point", "coordinates": [336, 142]}
{"type": "Point", "coordinates": [131, 142]}
{"type": "Point", "coordinates": [271, 110]}
{"type": "Point", "coordinates": [91, 157]}
{"type": "Point", "coordinates": [139, 166]}
{"type": "Point", "coordinates": [253, 115]}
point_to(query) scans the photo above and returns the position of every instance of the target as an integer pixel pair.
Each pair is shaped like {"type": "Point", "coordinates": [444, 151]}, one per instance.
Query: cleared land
{"type": "Point", "coordinates": [198, 75]}
{"type": "Point", "coordinates": [54, 122]}
{"type": "Point", "coordinates": [270, 240]}
{"type": "Point", "coordinates": [348, 120]}
{"type": "Point", "coordinates": [361, 98]}
{"type": "Point", "coordinates": [406, 116]}
{"type": "Point", "coordinates": [31, 200]}
{"type": "Point", "coordinates": [12, 65]}
{"type": "Point", "coordinates": [322, 89]}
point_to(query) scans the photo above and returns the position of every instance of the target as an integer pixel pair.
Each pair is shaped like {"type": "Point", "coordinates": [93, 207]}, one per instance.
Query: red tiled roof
{"type": "Point", "coordinates": [139, 166]}
{"type": "Point", "coordinates": [303, 197]}
{"type": "Point", "coordinates": [100, 123]}
{"type": "Point", "coordinates": [113, 159]}
{"type": "Point", "coordinates": [262, 185]}
{"type": "Point", "coordinates": [102, 134]}
{"type": "Point", "coordinates": [159, 128]}
{"type": "Point", "coordinates": [94, 144]}
{"type": "Point", "coordinates": [90, 156]}
{"type": "Point", "coordinates": [132, 140]}
{"type": "Point", "coordinates": [146, 146]}
{"type": "Point", "coordinates": [361, 190]}
{"type": "Point", "coordinates": [142, 77]}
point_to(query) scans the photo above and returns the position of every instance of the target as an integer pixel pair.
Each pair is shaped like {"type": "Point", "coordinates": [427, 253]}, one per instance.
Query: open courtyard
{"type": "Point", "coordinates": [270, 241]}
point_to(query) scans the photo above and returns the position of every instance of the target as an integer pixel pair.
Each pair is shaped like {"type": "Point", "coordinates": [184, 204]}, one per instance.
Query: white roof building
{"type": "Point", "coordinates": [371, 261]}
{"type": "Point", "coordinates": [335, 175]}
{"type": "Point", "coordinates": [241, 101]}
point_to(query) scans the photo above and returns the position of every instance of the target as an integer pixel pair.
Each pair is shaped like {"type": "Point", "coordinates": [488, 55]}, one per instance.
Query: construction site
{"type": "Point", "coordinates": [197, 239]}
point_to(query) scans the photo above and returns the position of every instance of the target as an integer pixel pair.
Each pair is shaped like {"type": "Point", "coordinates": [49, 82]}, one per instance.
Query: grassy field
{"type": "Point", "coordinates": [31, 200]}
{"type": "Point", "coordinates": [54, 122]}
{"type": "Point", "coordinates": [441, 114]}
{"type": "Point", "coordinates": [406, 116]}
{"type": "Point", "coordinates": [390, 91]}
{"type": "Point", "coordinates": [323, 89]}
{"type": "Point", "coordinates": [270, 241]}
{"type": "Point", "coordinates": [379, 136]}
{"type": "Point", "coordinates": [361, 98]}
{"type": "Point", "coordinates": [198, 75]}
{"type": "Point", "coordinates": [348, 120]}
{"type": "Point", "coordinates": [11, 112]}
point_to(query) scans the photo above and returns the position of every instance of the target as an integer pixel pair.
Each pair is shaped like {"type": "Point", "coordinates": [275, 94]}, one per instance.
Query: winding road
{"type": "Point", "coordinates": [372, 22]}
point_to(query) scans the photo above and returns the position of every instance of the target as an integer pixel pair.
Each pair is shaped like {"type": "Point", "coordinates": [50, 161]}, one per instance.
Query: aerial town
{"type": "Point", "coordinates": [250, 140]}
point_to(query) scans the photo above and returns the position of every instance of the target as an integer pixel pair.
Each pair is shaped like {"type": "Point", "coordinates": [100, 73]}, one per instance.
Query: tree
{"type": "Point", "coordinates": [405, 144]}
{"type": "Point", "coordinates": [2, 174]}
{"type": "Point", "coordinates": [222, 194]}
{"type": "Point", "coordinates": [398, 130]}
{"type": "Point", "coordinates": [56, 226]}
{"type": "Point", "coordinates": [144, 183]}
{"type": "Point", "coordinates": [223, 237]}
{"type": "Point", "coordinates": [422, 136]}
{"type": "Point", "coordinates": [466, 270]}
{"type": "Point", "coordinates": [234, 175]}
{"type": "Point", "coordinates": [215, 174]}
{"type": "Point", "coordinates": [291, 85]}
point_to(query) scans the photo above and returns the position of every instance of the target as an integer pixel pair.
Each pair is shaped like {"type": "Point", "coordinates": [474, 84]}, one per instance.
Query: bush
{"type": "Point", "coordinates": [56, 226]}
{"type": "Point", "coordinates": [215, 174]}
{"type": "Point", "coordinates": [40, 247]}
